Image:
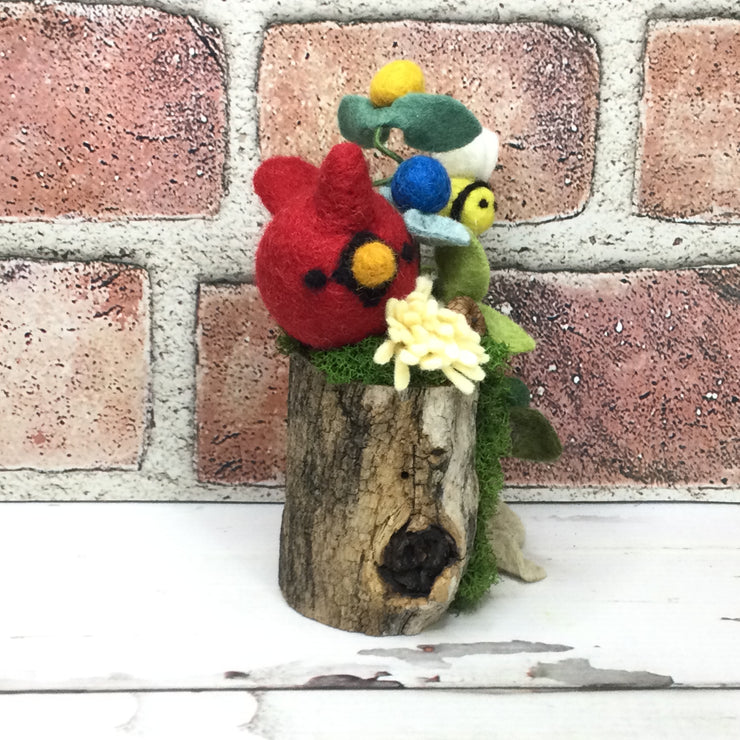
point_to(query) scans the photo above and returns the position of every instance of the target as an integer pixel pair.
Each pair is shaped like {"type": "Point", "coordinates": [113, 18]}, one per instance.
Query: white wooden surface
{"type": "Point", "coordinates": [156, 601]}
{"type": "Point", "coordinates": [376, 715]}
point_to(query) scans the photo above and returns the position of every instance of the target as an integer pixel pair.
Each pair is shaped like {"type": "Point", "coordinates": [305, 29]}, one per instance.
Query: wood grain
{"type": "Point", "coordinates": [381, 502]}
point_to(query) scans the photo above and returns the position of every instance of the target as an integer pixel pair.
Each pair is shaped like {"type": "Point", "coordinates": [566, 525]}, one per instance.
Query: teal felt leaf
{"type": "Point", "coordinates": [462, 271]}
{"type": "Point", "coordinates": [502, 329]}
{"type": "Point", "coordinates": [437, 231]}
{"type": "Point", "coordinates": [532, 436]}
{"type": "Point", "coordinates": [433, 123]}
{"type": "Point", "coordinates": [517, 391]}
{"type": "Point", "coordinates": [358, 119]}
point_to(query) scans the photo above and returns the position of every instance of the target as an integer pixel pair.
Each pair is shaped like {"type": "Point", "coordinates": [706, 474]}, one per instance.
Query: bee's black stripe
{"type": "Point", "coordinates": [459, 203]}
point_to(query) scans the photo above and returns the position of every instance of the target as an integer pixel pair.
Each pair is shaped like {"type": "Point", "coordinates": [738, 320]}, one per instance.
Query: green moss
{"type": "Point", "coordinates": [493, 441]}
{"type": "Point", "coordinates": [354, 363]}
{"type": "Point", "coordinates": [286, 345]}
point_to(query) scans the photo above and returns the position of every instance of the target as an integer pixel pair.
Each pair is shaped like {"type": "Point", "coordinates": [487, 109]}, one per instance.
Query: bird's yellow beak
{"type": "Point", "coordinates": [373, 264]}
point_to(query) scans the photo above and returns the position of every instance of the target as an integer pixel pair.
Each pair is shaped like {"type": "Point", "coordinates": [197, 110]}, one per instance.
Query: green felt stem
{"type": "Point", "coordinates": [378, 144]}
{"type": "Point", "coordinates": [462, 271]}
{"type": "Point", "coordinates": [381, 182]}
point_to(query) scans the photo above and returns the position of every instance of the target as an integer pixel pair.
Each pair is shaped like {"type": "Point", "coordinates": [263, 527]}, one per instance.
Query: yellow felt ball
{"type": "Point", "coordinates": [471, 203]}
{"type": "Point", "coordinates": [394, 80]}
{"type": "Point", "coordinates": [373, 264]}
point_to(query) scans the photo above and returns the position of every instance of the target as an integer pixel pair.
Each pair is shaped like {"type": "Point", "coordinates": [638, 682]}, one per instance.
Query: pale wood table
{"type": "Point", "coordinates": [165, 621]}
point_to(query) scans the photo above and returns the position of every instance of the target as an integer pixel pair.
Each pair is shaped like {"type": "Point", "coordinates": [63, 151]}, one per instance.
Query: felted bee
{"type": "Point", "coordinates": [470, 167]}
{"type": "Point", "coordinates": [471, 203]}
{"type": "Point", "coordinates": [335, 250]}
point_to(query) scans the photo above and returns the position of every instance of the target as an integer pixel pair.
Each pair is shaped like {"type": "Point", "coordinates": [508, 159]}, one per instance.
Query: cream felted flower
{"type": "Point", "coordinates": [421, 332]}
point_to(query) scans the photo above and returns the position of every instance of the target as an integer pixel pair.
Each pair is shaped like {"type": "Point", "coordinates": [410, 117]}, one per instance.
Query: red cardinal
{"type": "Point", "coordinates": [335, 250]}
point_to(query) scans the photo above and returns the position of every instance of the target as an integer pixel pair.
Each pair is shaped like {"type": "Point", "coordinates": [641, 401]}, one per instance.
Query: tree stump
{"type": "Point", "coordinates": [381, 502]}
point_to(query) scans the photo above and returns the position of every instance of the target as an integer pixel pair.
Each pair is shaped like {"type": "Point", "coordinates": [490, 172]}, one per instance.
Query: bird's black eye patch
{"type": "Point", "coordinates": [410, 251]}
{"type": "Point", "coordinates": [483, 203]}
{"type": "Point", "coordinates": [315, 279]}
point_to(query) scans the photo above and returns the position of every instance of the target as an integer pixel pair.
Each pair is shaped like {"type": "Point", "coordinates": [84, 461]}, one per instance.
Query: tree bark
{"type": "Point", "coordinates": [381, 502]}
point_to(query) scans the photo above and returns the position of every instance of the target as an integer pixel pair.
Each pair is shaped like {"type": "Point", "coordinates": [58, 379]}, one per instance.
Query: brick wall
{"type": "Point", "coordinates": [137, 361]}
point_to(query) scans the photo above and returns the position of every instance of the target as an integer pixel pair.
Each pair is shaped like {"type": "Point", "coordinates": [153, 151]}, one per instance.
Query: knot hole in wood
{"type": "Point", "coordinates": [412, 561]}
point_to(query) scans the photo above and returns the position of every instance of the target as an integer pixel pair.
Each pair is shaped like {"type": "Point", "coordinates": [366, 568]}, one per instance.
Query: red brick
{"type": "Point", "coordinates": [638, 372]}
{"type": "Point", "coordinates": [74, 365]}
{"type": "Point", "coordinates": [242, 389]}
{"type": "Point", "coordinates": [535, 84]}
{"type": "Point", "coordinates": [689, 167]}
{"type": "Point", "coordinates": [109, 112]}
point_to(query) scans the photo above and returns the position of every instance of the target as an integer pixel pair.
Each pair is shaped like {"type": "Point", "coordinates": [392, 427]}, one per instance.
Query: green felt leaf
{"type": "Point", "coordinates": [462, 271]}
{"type": "Point", "coordinates": [518, 393]}
{"type": "Point", "coordinates": [503, 329]}
{"type": "Point", "coordinates": [433, 123]}
{"type": "Point", "coordinates": [532, 436]}
{"type": "Point", "coordinates": [358, 118]}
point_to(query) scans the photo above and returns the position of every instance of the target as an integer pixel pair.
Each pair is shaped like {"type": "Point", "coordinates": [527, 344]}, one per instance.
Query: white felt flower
{"type": "Point", "coordinates": [475, 160]}
{"type": "Point", "coordinates": [422, 333]}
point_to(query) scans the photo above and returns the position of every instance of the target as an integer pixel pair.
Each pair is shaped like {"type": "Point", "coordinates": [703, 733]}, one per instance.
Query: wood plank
{"type": "Point", "coordinates": [132, 596]}
{"type": "Point", "coordinates": [329, 715]}
{"type": "Point", "coordinates": [467, 715]}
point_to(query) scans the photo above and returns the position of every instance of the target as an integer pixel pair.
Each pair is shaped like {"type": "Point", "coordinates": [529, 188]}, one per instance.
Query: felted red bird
{"type": "Point", "coordinates": [335, 250]}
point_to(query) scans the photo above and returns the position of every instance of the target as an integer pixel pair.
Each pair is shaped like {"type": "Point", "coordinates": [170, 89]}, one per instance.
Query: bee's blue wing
{"type": "Point", "coordinates": [437, 231]}
{"type": "Point", "coordinates": [429, 228]}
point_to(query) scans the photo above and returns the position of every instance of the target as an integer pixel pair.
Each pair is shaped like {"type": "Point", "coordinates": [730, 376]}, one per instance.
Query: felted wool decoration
{"type": "Point", "coordinates": [432, 123]}
{"type": "Point", "coordinates": [373, 264]}
{"type": "Point", "coordinates": [462, 271]}
{"type": "Point", "coordinates": [395, 79]}
{"type": "Point", "coordinates": [284, 179]}
{"type": "Point", "coordinates": [518, 393]}
{"type": "Point", "coordinates": [502, 329]}
{"type": "Point", "coordinates": [475, 160]}
{"type": "Point", "coordinates": [334, 252]}
{"type": "Point", "coordinates": [506, 534]}
{"type": "Point", "coordinates": [424, 334]}
{"type": "Point", "coordinates": [437, 231]}
{"type": "Point", "coordinates": [429, 228]}
{"type": "Point", "coordinates": [471, 203]}
{"type": "Point", "coordinates": [421, 182]}
{"type": "Point", "coordinates": [532, 436]}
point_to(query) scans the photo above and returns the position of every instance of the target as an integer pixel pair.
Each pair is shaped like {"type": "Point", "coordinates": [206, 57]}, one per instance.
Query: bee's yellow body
{"type": "Point", "coordinates": [471, 203]}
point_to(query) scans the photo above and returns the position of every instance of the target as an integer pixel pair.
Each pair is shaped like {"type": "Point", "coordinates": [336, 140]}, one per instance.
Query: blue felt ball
{"type": "Point", "coordinates": [421, 182]}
